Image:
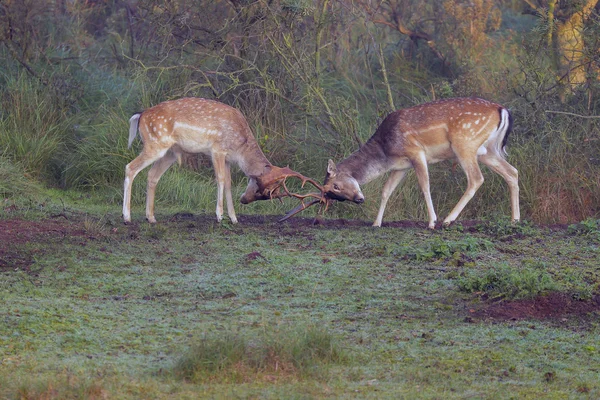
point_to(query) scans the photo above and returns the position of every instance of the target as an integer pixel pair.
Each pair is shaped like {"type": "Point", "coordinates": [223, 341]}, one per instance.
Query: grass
{"type": "Point", "coordinates": [190, 308]}
{"type": "Point", "coordinates": [509, 282]}
{"type": "Point", "coordinates": [229, 357]}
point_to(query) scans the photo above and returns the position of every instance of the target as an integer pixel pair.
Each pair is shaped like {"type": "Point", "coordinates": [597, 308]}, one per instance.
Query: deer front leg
{"type": "Point", "coordinates": [228, 195]}
{"type": "Point", "coordinates": [218, 160]}
{"type": "Point", "coordinates": [420, 165]}
{"type": "Point", "coordinates": [157, 170]}
{"type": "Point", "coordinates": [393, 181]}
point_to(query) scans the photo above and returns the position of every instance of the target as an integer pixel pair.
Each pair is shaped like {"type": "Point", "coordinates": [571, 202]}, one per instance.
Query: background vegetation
{"type": "Point", "coordinates": [314, 79]}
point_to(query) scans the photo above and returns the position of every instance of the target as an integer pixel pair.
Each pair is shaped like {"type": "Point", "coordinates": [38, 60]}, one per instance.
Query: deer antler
{"type": "Point", "coordinates": [324, 201]}
{"type": "Point", "coordinates": [272, 185]}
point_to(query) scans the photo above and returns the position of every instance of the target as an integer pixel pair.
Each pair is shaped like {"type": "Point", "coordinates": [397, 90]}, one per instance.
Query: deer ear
{"type": "Point", "coordinates": [331, 169]}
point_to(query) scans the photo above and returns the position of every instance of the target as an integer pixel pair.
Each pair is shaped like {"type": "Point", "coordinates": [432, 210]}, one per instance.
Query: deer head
{"type": "Point", "coordinates": [341, 186]}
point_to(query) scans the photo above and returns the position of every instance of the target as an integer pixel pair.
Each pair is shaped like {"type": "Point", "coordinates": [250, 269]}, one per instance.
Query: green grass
{"type": "Point", "coordinates": [509, 282]}
{"type": "Point", "coordinates": [14, 182]}
{"type": "Point", "coordinates": [190, 308]}
{"type": "Point", "coordinates": [229, 357]}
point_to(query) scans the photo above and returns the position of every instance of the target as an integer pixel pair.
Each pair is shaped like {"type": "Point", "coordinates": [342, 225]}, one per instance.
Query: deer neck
{"type": "Point", "coordinates": [366, 164]}
{"type": "Point", "coordinates": [252, 160]}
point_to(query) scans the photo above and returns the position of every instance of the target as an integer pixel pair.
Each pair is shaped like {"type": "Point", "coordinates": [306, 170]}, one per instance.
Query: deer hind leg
{"type": "Point", "coordinates": [157, 170]}
{"type": "Point", "coordinates": [420, 165]}
{"type": "Point", "coordinates": [393, 181]}
{"type": "Point", "coordinates": [223, 176]}
{"type": "Point", "coordinates": [474, 181]}
{"type": "Point", "coordinates": [511, 176]}
{"type": "Point", "coordinates": [131, 171]}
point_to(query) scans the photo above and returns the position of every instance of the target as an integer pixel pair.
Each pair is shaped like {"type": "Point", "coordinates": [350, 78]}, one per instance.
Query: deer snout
{"type": "Point", "coordinates": [359, 198]}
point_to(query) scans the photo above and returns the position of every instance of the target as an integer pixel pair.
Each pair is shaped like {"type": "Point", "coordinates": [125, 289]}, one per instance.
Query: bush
{"type": "Point", "coordinates": [33, 127]}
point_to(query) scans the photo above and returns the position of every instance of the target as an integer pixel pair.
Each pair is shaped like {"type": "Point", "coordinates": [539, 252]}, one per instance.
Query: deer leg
{"type": "Point", "coordinates": [219, 165]}
{"type": "Point", "coordinates": [131, 171]}
{"type": "Point", "coordinates": [420, 165]}
{"type": "Point", "coordinates": [474, 181]}
{"type": "Point", "coordinates": [511, 176]}
{"type": "Point", "coordinates": [393, 181]}
{"type": "Point", "coordinates": [228, 195]}
{"type": "Point", "coordinates": [157, 170]}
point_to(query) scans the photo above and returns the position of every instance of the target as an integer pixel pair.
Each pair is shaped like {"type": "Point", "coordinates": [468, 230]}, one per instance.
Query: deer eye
{"type": "Point", "coordinates": [336, 187]}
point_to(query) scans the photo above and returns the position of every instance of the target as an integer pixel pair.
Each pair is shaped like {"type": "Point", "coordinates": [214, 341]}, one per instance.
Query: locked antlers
{"type": "Point", "coordinates": [272, 185]}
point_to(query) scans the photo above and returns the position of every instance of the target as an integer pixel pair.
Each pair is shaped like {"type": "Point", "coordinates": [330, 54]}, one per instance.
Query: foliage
{"type": "Point", "coordinates": [313, 79]}
{"type": "Point", "coordinates": [13, 182]}
{"type": "Point", "coordinates": [33, 127]}
{"type": "Point", "coordinates": [505, 227]}
{"type": "Point", "coordinates": [508, 282]}
{"type": "Point", "coordinates": [439, 248]}
{"type": "Point", "coordinates": [589, 227]}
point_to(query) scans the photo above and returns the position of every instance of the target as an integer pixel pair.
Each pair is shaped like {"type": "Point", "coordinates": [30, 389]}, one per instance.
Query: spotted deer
{"type": "Point", "coordinates": [195, 125]}
{"type": "Point", "coordinates": [466, 129]}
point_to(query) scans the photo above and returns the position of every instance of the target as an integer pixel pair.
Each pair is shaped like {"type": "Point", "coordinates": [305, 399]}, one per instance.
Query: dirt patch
{"type": "Point", "coordinates": [16, 233]}
{"type": "Point", "coordinates": [553, 306]}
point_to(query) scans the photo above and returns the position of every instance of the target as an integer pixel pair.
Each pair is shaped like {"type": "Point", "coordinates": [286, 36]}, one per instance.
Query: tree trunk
{"type": "Point", "coordinates": [569, 48]}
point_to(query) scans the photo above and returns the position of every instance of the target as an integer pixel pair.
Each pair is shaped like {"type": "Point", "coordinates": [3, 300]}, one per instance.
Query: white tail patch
{"type": "Point", "coordinates": [133, 128]}
{"type": "Point", "coordinates": [501, 132]}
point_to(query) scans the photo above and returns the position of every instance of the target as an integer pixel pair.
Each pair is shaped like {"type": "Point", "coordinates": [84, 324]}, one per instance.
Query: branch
{"type": "Point", "coordinates": [532, 5]}
{"type": "Point", "coordinates": [24, 63]}
{"type": "Point", "coordinates": [572, 114]}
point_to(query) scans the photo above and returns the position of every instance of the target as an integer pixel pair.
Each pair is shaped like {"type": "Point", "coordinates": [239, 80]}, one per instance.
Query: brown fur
{"type": "Point", "coordinates": [467, 129]}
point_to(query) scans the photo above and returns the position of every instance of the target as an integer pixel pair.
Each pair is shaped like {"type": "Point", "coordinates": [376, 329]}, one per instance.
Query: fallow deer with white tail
{"type": "Point", "coordinates": [195, 125]}
{"type": "Point", "coordinates": [466, 129]}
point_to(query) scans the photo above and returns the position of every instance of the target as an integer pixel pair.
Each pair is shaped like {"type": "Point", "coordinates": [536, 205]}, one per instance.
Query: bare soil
{"type": "Point", "coordinates": [17, 233]}
{"type": "Point", "coordinates": [553, 306]}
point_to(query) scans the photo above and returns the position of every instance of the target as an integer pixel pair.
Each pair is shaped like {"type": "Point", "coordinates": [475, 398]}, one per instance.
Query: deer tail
{"type": "Point", "coordinates": [504, 130]}
{"type": "Point", "coordinates": [134, 122]}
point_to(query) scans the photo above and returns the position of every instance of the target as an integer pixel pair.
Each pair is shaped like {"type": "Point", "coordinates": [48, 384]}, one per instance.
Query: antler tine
{"type": "Point", "coordinates": [304, 179]}
{"type": "Point", "coordinates": [324, 202]}
{"type": "Point", "coordinates": [318, 196]}
{"type": "Point", "coordinates": [301, 207]}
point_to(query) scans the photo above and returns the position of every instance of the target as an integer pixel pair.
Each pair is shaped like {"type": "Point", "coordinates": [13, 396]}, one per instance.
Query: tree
{"type": "Point", "coordinates": [573, 54]}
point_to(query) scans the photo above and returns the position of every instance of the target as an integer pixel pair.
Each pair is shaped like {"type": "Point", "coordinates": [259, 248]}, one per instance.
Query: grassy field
{"type": "Point", "coordinates": [189, 308]}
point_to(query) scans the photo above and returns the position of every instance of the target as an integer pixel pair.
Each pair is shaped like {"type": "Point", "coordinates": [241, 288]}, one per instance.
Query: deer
{"type": "Point", "coordinates": [197, 125]}
{"type": "Point", "coordinates": [470, 130]}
